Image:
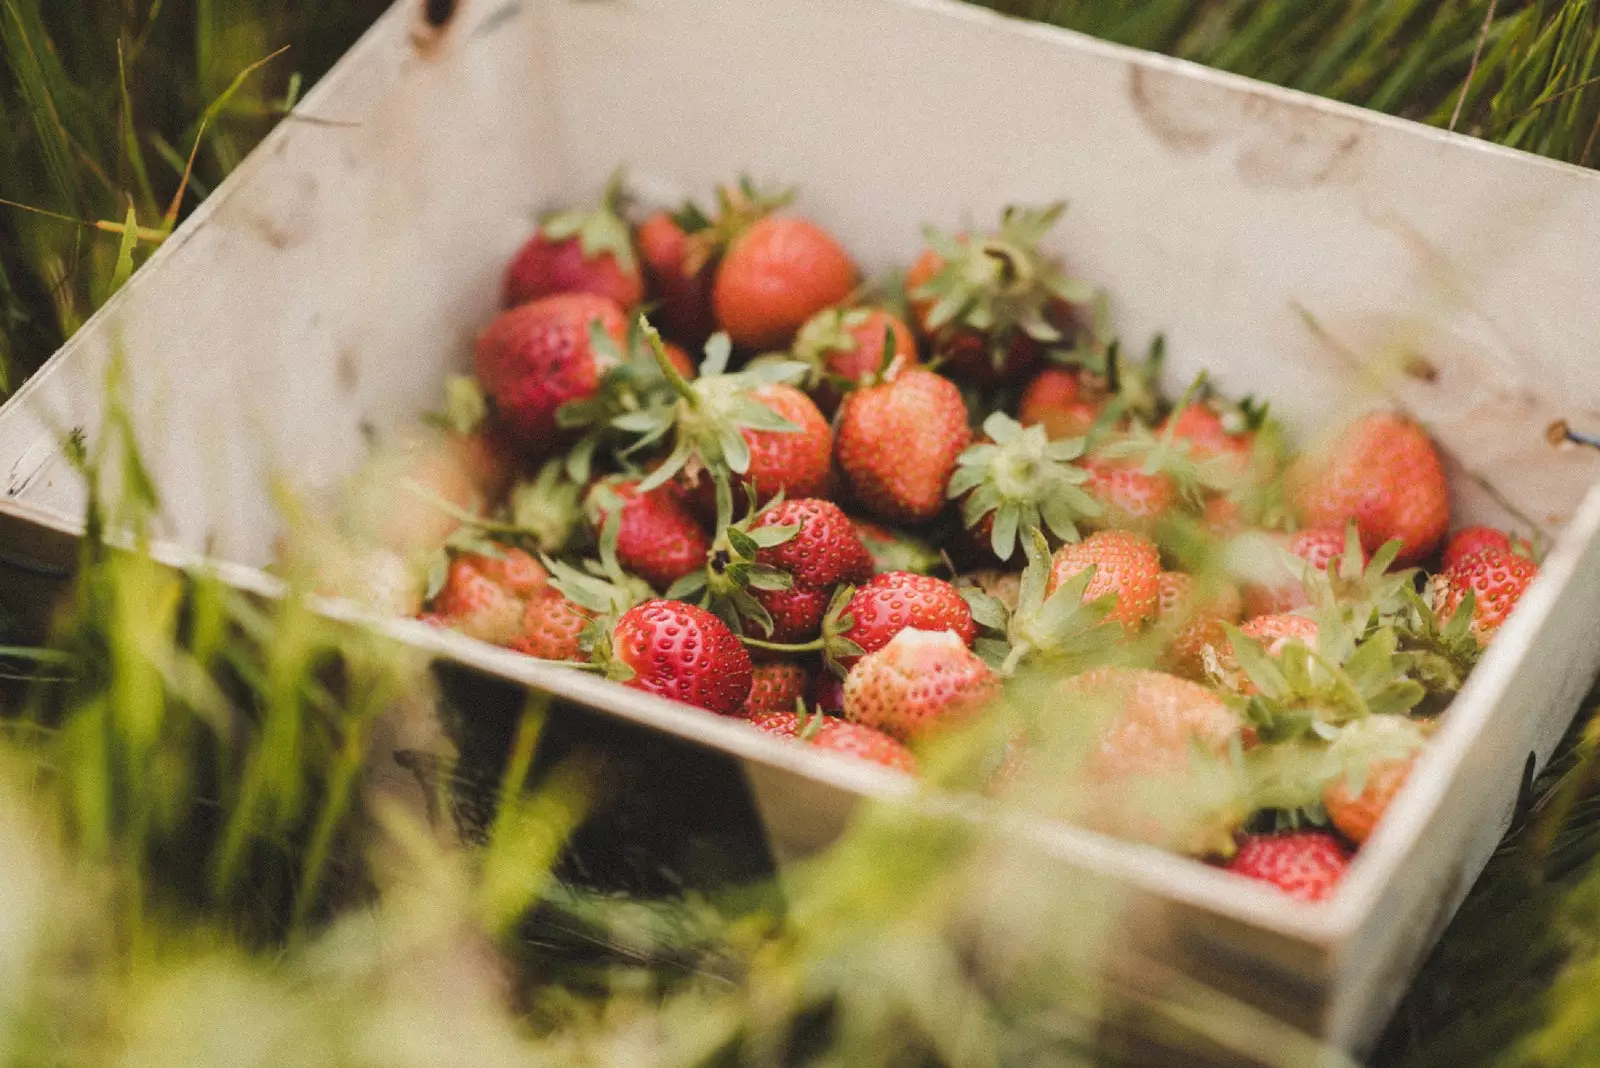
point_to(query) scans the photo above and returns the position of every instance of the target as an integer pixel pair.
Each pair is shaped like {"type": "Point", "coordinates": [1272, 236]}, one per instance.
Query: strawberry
{"type": "Point", "coordinates": [1384, 474]}
{"type": "Point", "coordinates": [1129, 495]}
{"type": "Point", "coordinates": [1195, 622]}
{"type": "Point", "coordinates": [898, 443]}
{"type": "Point", "coordinates": [839, 736]}
{"type": "Point", "coordinates": [830, 693]}
{"type": "Point", "coordinates": [1321, 547]}
{"type": "Point", "coordinates": [824, 552]}
{"type": "Point", "coordinates": [991, 304]}
{"type": "Point", "coordinates": [1303, 864]}
{"type": "Point", "coordinates": [658, 538]}
{"type": "Point", "coordinates": [748, 427]}
{"type": "Point", "coordinates": [1127, 565]}
{"type": "Point", "coordinates": [1497, 579]}
{"type": "Point", "coordinates": [484, 597]}
{"type": "Point", "coordinates": [775, 688]}
{"type": "Point", "coordinates": [1057, 400]}
{"type": "Point", "coordinates": [552, 628]}
{"type": "Point", "coordinates": [683, 289]}
{"type": "Point", "coordinates": [680, 652]}
{"type": "Point", "coordinates": [1469, 540]}
{"type": "Point", "coordinates": [1018, 480]}
{"type": "Point", "coordinates": [893, 550]}
{"type": "Point", "coordinates": [578, 252]}
{"type": "Point", "coordinates": [536, 357]}
{"type": "Point", "coordinates": [1207, 434]}
{"type": "Point", "coordinates": [1156, 720]}
{"type": "Point", "coordinates": [1355, 810]}
{"type": "Point", "coordinates": [796, 612]}
{"type": "Point", "coordinates": [774, 275]}
{"type": "Point", "coordinates": [897, 601]}
{"type": "Point", "coordinates": [845, 348]}
{"type": "Point", "coordinates": [1273, 632]}
{"type": "Point", "coordinates": [918, 681]}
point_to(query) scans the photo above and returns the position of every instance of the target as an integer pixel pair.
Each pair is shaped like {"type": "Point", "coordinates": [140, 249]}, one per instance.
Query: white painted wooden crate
{"type": "Point", "coordinates": [1278, 240]}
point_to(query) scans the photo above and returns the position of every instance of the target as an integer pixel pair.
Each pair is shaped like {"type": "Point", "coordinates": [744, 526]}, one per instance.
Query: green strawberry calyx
{"type": "Point", "coordinates": [601, 230]}
{"type": "Point", "coordinates": [1025, 481]}
{"type": "Point", "coordinates": [725, 585]}
{"type": "Point", "coordinates": [1057, 627]}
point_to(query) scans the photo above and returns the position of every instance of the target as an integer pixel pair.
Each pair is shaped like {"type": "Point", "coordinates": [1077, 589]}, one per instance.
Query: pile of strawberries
{"type": "Point", "coordinates": [852, 513]}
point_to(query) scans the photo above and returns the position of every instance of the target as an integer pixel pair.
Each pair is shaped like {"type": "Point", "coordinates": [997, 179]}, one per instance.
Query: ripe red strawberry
{"type": "Point", "coordinates": [899, 600]}
{"type": "Point", "coordinates": [839, 736]}
{"type": "Point", "coordinates": [1195, 624]}
{"type": "Point", "coordinates": [796, 612]}
{"type": "Point", "coordinates": [846, 346]}
{"type": "Point", "coordinates": [775, 688]}
{"type": "Point", "coordinates": [775, 275]}
{"type": "Point", "coordinates": [824, 552]}
{"type": "Point", "coordinates": [483, 597]}
{"type": "Point", "coordinates": [918, 681]}
{"type": "Point", "coordinates": [1497, 579]}
{"type": "Point", "coordinates": [1470, 540]}
{"type": "Point", "coordinates": [684, 653]}
{"type": "Point", "coordinates": [1273, 632]}
{"type": "Point", "coordinates": [1126, 564]}
{"type": "Point", "coordinates": [683, 289]}
{"type": "Point", "coordinates": [1354, 813]}
{"type": "Point", "coordinates": [1156, 722]}
{"type": "Point", "coordinates": [658, 537]}
{"type": "Point", "coordinates": [1384, 474]}
{"type": "Point", "coordinates": [536, 357]}
{"type": "Point", "coordinates": [898, 443]}
{"type": "Point", "coordinates": [793, 462]}
{"type": "Point", "coordinates": [551, 628]}
{"type": "Point", "coordinates": [1303, 864]}
{"type": "Point", "coordinates": [830, 694]}
{"type": "Point", "coordinates": [1321, 547]}
{"type": "Point", "coordinates": [578, 252]}
{"type": "Point", "coordinates": [1208, 437]}
{"type": "Point", "coordinates": [1057, 400]}
{"type": "Point", "coordinates": [1131, 496]}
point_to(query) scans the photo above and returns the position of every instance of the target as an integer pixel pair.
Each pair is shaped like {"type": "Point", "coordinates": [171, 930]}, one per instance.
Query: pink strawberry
{"type": "Point", "coordinates": [536, 357]}
{"type": "Point", "coordinates": [1156, 722]}
{"type": "Point", "coordinates": [1303, 864]}
{"type": "Point", "coordinates": [899, 600]}
{"type": "Point", "coordinates": [681, 652]}
{"type": "Point", "coordinates": [1497, 579]}
{"type": "Point", "coordinates": [917, 682]}
{"type": "Point", "coordinates": [898, 442]}
{"type": "Point", "coordinates": [839, 736]}
{"type": "Point", "coordinates": [1384, 473]}
{"type": "Point", "coordinates": [1126, 564]}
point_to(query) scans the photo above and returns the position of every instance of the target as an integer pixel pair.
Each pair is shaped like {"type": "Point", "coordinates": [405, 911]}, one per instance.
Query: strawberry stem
{"type": "Point", "coordinates": [679, 384]}
{"type": "Point", "coordinates": [780, 647]}
{"type": "Point", "coordinates": [461, 515]}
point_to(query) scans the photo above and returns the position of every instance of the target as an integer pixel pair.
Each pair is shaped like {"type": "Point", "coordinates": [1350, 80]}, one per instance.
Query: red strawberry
{"type": "Point", "coordinates": [921, 679]}
{"type": "Point", "coordinates": [1221, 516]}
{"type": "Point", "coordinates": [684, 293]}
{"type": "Point", "coordinates": [898, 443]}
{"type": "Point", "coordinates": [1194, 624]}
{"type": "Point", "coordinates": [684, 653]}
{"type": "Point", "coordinates": [483, 597]}
{"type": "Point", "coordinates": [1057, 401]}
{"type": "Point", "coordinates": [775, 275]}
{"type": "Point", "coordinates": [551, 628]}
{"type": "Point", "coordinates": [793, 462]}
{"type": "Point", "coordinates": [578, 252]}
{"type": "Point", "coordinates": [1356, 814]}
{"type": "Point", "coordinates": [1273, 632]}
{"type": "Point", "coordinates": [1207, 434]}
{"type": "Point", "coordinates": [824, 552]}
{"type": "Point", "coordinates": [1497, 579]}
{"type": "Point", "coordinates": [1384, 474]}
{"type": "Point", "coordinates": [1470, 540]}
{"type": "Point", "coordinates": [830, 694]}
{"type": "Point", "coordinates": [796, 612]}
{"type": "Point", "coordinates": [848, 346]}
{"type": "Point", "coordinates": [658, 537]}
{"type": "Point", "coordinates": [1156, 722]}
{"type": "Point", "coordinates": [1131, 496]}
{"type": "Point", "coordinates": [534, 358]}
{"type": "Point", "coordinates": [1321, 547]}
{"type": "Point", "coordinates": [775, 688]}
{"type": "Point", "coordinates": [1303, 864]}
{"type": "Point", "coordinates": [839, 736]}
{"type": "Point", "coordinates": [899, 600]}
{"type": "Point", "coordinates": [1126, 564]}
